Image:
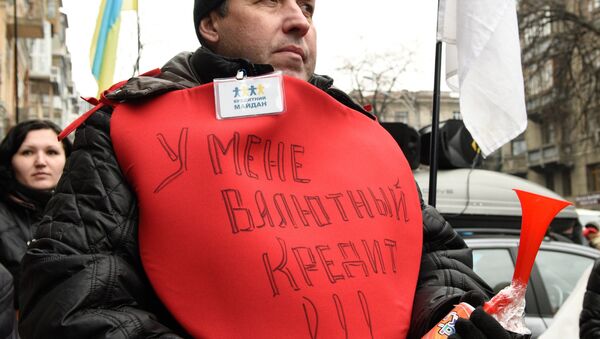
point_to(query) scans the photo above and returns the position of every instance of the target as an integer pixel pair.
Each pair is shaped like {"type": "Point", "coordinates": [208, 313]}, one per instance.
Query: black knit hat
{"type": "Point", "coordinates": [201, 9]}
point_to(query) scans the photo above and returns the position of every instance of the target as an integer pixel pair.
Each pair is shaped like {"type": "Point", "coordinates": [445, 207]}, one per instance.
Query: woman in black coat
{"type": "Point", "coordinates": [31, 162]}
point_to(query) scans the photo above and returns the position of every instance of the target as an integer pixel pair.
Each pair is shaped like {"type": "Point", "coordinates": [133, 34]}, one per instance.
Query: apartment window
{"type": "Point", "coordinates": [401, 116]}
{"type": "Point", "coordinates": [51, 9]}
{"type": "Point", "coordinates": [532, 32]}
{"type": "Point", "coordinates": [549, 176]}
{"type": "Point", "coordinates": [540, 78]}
{"type": "Point", "coordinates": [456, 115]}
{"type": "Point", "coordinates": [566, 183]}
{"type": "Point", "coordinates": [518, 146]}
{"type": "Point", "coordinates": [548, 133]}
{"type": "Point", "coordinates": [546, 75]}
{"type": "Point", "coordinates": [594, 178]}
{"type": "Point", "coordinates": [595, 55]}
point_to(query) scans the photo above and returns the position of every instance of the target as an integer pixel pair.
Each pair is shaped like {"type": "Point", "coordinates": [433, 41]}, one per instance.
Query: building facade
{"type": "Point", "coordinates": [561, 61]}
{"type": "Point", "coordinates": [415, 108]}
{"type": "Point", "coordinates": [42, 88]}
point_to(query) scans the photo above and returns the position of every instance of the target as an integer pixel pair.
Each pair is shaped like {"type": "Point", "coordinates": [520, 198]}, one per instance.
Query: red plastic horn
{"type": "Point", "coordinates": [538, 211]}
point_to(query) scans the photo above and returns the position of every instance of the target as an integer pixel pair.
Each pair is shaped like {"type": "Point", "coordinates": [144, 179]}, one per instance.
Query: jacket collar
{"type": "Point", "coordinates": [187, 70]}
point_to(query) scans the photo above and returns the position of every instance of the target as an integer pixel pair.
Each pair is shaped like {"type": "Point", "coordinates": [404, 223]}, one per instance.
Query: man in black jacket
{"type": "Point", "coordinates": [589, 320]}
{"type": "Point", "coordinates": [88, 273]}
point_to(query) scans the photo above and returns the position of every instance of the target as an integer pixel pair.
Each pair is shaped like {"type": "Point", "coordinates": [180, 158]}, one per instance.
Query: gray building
{"type": "Point", "coordinates": [561, 63]}
{"type": "Point", "coordinates": [43, 70]}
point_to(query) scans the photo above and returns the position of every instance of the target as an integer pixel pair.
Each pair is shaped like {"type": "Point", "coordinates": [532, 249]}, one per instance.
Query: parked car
{"type": "Point", "coordinates": [558, 267]}
{"type": "Point", "coordinates": [482, 206]}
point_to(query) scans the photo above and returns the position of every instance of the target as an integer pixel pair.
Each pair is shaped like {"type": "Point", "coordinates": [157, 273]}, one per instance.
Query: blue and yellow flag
{"type": "Point", "coordinates": [103, 51]}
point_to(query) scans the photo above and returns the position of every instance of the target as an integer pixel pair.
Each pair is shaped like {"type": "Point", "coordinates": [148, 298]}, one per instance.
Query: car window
{"type": "Point", "coordinates": [495, 266]}
{"type": "Point", "coordinates": [560, 272]}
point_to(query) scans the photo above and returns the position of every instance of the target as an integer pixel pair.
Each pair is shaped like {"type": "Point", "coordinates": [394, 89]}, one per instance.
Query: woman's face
{"type": "Point", "coordinates": [39, 162]}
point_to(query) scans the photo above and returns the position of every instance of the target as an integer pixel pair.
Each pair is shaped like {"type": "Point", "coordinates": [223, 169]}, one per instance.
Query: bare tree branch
{"type": "Point", "coordinates": [374, 78]}
{"type": "Point", "coordinates": [561, 62]}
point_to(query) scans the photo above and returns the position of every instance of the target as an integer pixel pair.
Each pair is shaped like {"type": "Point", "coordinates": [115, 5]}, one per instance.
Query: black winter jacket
{"type": "Point", "coordinates": [7, 311]}
{"type": "Point", "coordinates": [83, 276]}
{"type": "Point", "coordinates": [589, 321]}
{"type": "Point", "coordinates": [19, 214]}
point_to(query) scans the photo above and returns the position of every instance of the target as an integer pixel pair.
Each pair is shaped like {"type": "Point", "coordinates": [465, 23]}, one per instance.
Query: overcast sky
{"type": "Point", "coordinates": [345, 28]}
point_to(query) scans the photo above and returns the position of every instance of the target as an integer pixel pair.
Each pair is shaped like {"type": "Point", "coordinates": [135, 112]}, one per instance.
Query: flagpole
{"type": "Point", "coordinates": [136, 67]}
{"type": "Point", "coordinates": [435, 125]}
{"type": "Point", "coordinates": [16, 61]}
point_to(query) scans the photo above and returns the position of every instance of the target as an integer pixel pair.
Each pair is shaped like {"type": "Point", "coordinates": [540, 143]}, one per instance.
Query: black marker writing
{"type": "Point", "coordinates": [224, 155]}
{"type": "Point", "coordinates": [180, 156]}
{"type": "Point", "coordinates": [343, 260]}
{"type": "Point", "coordinates": [250, 213]}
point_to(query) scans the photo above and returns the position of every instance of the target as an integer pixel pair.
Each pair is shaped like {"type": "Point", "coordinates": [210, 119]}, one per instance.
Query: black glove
{"type": "Point", "coordinates": [481, 325]}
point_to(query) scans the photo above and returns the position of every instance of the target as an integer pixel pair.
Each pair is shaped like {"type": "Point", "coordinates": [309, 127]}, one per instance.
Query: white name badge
{"type": "Point", "coordinates": [249, 96]}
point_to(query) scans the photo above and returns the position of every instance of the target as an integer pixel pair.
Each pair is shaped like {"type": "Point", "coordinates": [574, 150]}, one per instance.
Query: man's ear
{"type": "Point", "coordinates": [209, 28]}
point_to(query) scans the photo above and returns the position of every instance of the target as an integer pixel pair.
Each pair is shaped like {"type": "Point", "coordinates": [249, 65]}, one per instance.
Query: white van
{"type": "Point", "coordinates": [485, 200]}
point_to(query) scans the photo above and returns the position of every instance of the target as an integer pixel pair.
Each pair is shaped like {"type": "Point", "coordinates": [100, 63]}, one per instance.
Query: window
{"type": "Point", "coordinates": [548, 133]}
{"type": "Point", "coordinates": [533, 32]}
{"type": "Point", "coordinates": [499, 274]}
{"type": "Point", "coordinates": [51, 9]}
{"type": "Point", "coordinates": [558, 280]}
{"type": "Point", "coordinates": [566, 183]}
{"type": "Point", "coordinates": [595, 55]}
{"type": "Point", "coordinates": [399, 117]}
{"type": "Point", "coordinates": [518, 146]}
{"type": "Point", "coordinates": [540, 78]}
{"type": "Point", "coordinates": [594, 178]}
{"type": "Point", "coordinates": [593, 5]}
{"type": "Point", "coordinates": [547, 75]}
{"type": "Point", "coordinates": [549, 177]}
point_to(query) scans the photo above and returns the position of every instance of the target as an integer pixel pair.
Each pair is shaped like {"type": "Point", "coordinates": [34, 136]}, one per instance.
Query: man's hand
{"type": "Point", "coordinates": [481, 325]}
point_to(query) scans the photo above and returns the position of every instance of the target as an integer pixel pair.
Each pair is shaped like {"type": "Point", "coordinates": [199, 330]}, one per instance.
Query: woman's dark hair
{"type": "Point", "coordinates": [13, 140]}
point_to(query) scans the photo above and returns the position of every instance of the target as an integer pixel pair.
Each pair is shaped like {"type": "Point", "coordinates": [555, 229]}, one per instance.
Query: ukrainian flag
{"type": "Point", "coordinates": [103, 51]}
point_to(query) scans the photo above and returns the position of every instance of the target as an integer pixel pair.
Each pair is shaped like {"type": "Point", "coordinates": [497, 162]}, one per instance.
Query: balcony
{"type": "Point", "coordinates": [29, 25]}
{"type": "Point", "coordinates": [550, 156]}
{"type": "Point", "coordinates": [515, 164]}
{"type": "Point", "coordinates": [537, 103]}
{"type": "Point", "coordinates": [58, 103]}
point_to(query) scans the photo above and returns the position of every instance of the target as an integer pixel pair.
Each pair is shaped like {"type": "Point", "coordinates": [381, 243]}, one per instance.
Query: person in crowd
{"type": "Point", "coordinates": [589, 320]}
{"type": "Point", "coordinates": [31, 163]}
{"type": "Point", "coordinates": [590, 232]}
{"type": "Point", "coordinates": [193, 208]}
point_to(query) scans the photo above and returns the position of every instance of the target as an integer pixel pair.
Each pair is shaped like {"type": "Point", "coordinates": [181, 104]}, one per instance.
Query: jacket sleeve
{"type": "Point", "coordinates": [589, 320]}
{"type": "Point", "coordinates": [446, 273]}
{"type": "Point", "coordinates": [82, 277]}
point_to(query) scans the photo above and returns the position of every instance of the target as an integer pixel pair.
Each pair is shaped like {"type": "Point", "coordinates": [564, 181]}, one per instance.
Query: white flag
{"type": "Point", "coordinates": [483, 62]}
